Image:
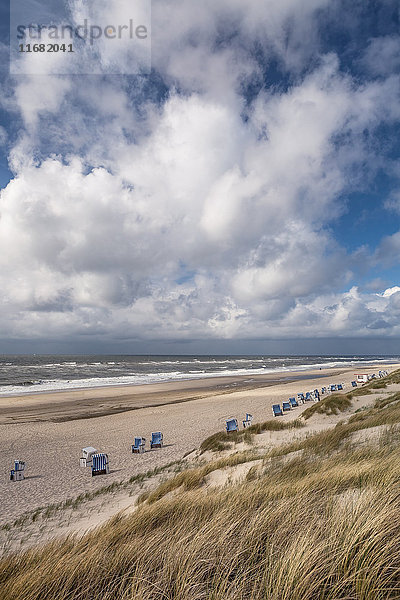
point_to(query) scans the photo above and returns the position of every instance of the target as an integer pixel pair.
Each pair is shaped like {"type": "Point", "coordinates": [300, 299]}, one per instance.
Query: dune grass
{"type": "Point", "coordinates": [331, 405]}
{"type": "Point", "coordinates": [222, 440]}
{"type": "Point", "coordinates": [319, 520]}
{"type": "Point", "coordinates": [335, 403]}
{"type": "Point", "coordinates": [311, 528]}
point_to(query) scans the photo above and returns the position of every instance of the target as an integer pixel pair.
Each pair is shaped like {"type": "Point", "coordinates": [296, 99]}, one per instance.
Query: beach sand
{"type": "Point", "coordinates": [48, 431]}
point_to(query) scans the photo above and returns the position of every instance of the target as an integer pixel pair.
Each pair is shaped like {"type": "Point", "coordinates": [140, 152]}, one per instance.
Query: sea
{"type": "Point", "coordinates": [44, 373]}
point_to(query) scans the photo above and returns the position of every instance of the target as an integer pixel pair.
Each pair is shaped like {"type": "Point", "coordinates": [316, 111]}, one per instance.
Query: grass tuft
{"type": "Point", "coordinates": [222, 441]}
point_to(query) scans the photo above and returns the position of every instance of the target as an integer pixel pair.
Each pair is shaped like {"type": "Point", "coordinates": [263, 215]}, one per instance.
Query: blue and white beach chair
{"type": "Point", "coordinates": [300, 398]}
{"type": "Point", "coordinates": [286, 406]}
{"type": "Point", "coordinates": [138, 447]}
{"type": "Point", "coordinates": [247, 421]}
{"type": "Point", "coordinates": [156, 440]}
{"type": "Point", "coordinates": [293, 402]}
{"type": "Point", "coordinates": [231, 425]}
{"type": "Point", "coordinates": [100, 464]}
{"type": "Point", "coordinates": [323, 390]}
{"type": "Point", "coordinates": [339, 387]}
{"type": "Point", "coordinates": [308, 397]}
{"type": "Point", "coordinates": [17, 473]}
{"type": "Point", "coordinates": [354, 383]}
{"type": "Point", "coordinates": [277, 411]}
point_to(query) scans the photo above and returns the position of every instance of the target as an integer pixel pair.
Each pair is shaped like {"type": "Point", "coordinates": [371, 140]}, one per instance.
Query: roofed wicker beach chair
{"type": "Point", "coordinates": [308, 397]}
{"type": "Point", "coordinates": [339, 387]}
{"type": "Point", "coordinates": [87, 453]}
{"type": "Point", "coordinates": [18, 472]}
{"type": "Point", "coordinates": [248, 420]}
{"type": "Point", "coordinates": [277, 411]}
{"type": "Point", "coordinates": [156, 440]}
{"type": "Point", "coordinates": [354, 383]}
{"type": "Point", "coordinates": [293, 402]}
{"type": "Point", "coordinates": [138, 446]}
{"type": "Point", "coordinates": [231, 425]}
{"type": "Point", "coordinates": [333, 388]}
{"type": "Point", "coordinates": [323, 390]}
{"type": "Point", "coordinates": [100, 464]}
{"type": "Point", "coordinates": [286, 406]}
{"type": "Point", "coordinates": [300, 398]}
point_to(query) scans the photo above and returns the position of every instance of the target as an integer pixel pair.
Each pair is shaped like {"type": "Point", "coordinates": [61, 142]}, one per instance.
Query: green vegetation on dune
{"type": "Point", "coordinates": [222, 440]}
{"type": "Point", "coordinates": [335, 403]}
{"type": "Point", "coordinates": [319, 524]}
{"type": "Point", "coordinates": [331, 405]}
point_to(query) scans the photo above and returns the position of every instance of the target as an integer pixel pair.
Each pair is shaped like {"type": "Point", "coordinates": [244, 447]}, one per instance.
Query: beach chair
{"type": "Point", "coordinates": [231, 425]}
{"type": "Point", "coordinates": [17, 473]}
{"type": "Point", "coordinates": [87, 453]}
{"type": "Point", "coordinates": [277, 411]}
{"type": "Point", "coordinates": [286, 406]}
{"type": "Point", "coordinates": [323, 390]}
{"type": "Point", "coordinates": [354, 383]}
{"type": "Point", "coordinates": [100, 464]}
{"type": "Point", "coordinates": [138, 447]}
{"type": "Point", "coordinates": [156, 440]}
{"type": "Point", "coordinates": [339, 387]}
{"type": "Point", "coordinates": [293, 402]}
{"type": "Point", "coordinates": [247, 421]}
{"type": "Point", "coordinates": [308, 397]}
{"type": "Point", "coordinates": [300, 398]}
{"type": "Point", "coordinates": [333, 388]}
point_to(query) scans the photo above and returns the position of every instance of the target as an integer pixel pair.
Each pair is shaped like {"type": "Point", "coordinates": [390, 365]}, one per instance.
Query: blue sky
{"type": "Point", "coordinates": [244, 197]}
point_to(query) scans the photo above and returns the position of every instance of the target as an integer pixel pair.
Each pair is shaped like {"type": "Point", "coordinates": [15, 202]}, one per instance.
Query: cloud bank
{"type": "Point", "coordinates": [203, 201]}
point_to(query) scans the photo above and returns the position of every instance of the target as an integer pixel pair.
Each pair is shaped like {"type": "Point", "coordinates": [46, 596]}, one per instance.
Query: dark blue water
{"type": "Point", "coordinates": [36, 373]}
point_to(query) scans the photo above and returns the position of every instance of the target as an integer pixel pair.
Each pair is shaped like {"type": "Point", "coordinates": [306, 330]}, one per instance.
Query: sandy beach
{"type": "Point", "coordinates": [48, 431]}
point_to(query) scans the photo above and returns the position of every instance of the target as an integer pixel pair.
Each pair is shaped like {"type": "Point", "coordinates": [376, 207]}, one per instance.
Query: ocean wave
{"type": "Point", "coordinates": [135, 378]}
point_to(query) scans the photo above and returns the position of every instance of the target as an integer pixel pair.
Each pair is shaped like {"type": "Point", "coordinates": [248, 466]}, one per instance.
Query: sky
{"type": "Point", "coordinates": [241, 197]}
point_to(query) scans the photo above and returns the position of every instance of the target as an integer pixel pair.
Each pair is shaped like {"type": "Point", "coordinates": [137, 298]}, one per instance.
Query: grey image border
{"type": "Point", "coordinates": [24, 31]}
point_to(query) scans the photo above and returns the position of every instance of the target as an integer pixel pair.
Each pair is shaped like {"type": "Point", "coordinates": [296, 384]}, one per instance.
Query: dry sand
{"type": "Point", "coordinates": [48, 431]}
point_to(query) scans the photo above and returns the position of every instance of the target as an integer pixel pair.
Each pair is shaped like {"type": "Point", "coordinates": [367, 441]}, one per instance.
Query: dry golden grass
{"type": "Point", "coordinates": [309, 529]}
{"type": "Point", "coordinates": [320, 525]}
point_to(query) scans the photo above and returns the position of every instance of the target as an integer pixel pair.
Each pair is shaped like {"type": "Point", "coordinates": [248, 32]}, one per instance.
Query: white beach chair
{"type": "Point", "coordinates": [248, 420]}
{"type": "Point", "coordinates": [87, 454]}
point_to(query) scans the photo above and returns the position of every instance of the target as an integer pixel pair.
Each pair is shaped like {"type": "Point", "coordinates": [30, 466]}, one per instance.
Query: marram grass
{"type": "Point", "coordinates": [307, 529]}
